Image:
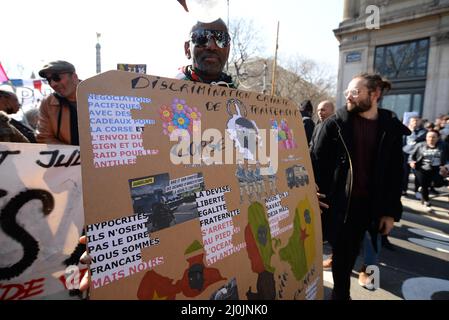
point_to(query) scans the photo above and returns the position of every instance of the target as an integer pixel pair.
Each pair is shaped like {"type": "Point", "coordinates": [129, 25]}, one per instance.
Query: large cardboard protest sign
{"type": "Point", "coordinates": [196, 191]}
{"type": "Point", "coordinates": [41, 219]}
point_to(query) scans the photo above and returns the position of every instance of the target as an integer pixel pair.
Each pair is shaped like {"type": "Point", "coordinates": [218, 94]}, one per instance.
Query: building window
{"type": "Point", "coordinates": [405, 65]}
{"type": "Point", "coordinates": [401, 103]}
{"type": "Point", "coordinates": [403, 60]}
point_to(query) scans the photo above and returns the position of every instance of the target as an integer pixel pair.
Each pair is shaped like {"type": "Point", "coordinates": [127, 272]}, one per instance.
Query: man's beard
{"type": "Point", "coordinates": [360, 107]}
{"type": "Point", "coordinates": [210, 68]}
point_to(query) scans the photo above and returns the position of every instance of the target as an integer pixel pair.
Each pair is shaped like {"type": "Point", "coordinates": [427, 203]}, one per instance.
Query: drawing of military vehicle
{"type": "Point", "coordinates": [297, 176]}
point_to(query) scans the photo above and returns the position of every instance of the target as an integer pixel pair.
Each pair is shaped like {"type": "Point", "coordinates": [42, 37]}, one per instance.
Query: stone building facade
{"type": "Point", "coordinates": [407, 41]}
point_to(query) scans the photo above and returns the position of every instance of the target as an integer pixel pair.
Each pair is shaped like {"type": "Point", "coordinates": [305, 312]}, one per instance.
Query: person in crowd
{"type": "Point", "coordinates": [429, 160]}
{"type": "Point", "coordinates": [324, 110]}
{"type": "Point", "coordinates": [429, 125]}
{"type": "Point", "coordinates": [444, 132]}
{"type": "Point", "coordinates": [306, 109]}
{"type": "Point", "coordinates": [12, 130]}
{"type": "Point", "coordinates": [418, 135]}
{"type": "Point", "coordinates": [357, 159]}
{"type": "Point", "coordinates": [32, 117]}
{"type": "Point", "coordinates": [58, 119]}
{"type": "Point", "coordinates": [208, 46]}
{"type": "Point", "coordinates": [439, 122]}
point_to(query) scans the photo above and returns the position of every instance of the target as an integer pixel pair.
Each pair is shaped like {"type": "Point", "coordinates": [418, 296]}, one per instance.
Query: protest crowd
{"type": "Point", "coordinates": [376, 150]}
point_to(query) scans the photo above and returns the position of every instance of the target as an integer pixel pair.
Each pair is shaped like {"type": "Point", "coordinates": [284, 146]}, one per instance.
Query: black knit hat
{"type": "Point", "coordinates": [306, 106]}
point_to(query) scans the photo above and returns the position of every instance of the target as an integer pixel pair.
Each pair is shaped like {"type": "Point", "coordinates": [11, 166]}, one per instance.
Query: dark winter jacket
{"type": "Point", "coordinates": [187, 73]}
{"type": "Point", "coordinates": [415, 137]}
{"type": "Point", "coordinates": [8, 132]}
{"type": "Point", "coordinates": [418, 153]}
{"type": "Point", "coordinates": [332, 153]}
{"type": "Point", "coordinates": [25, 130]}
{"type": "Point", "coordinates": [309, 126]}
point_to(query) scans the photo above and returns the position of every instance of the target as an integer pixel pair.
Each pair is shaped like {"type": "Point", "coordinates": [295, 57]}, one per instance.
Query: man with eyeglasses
{"type": "Point", "coordinates": [208, 47]}
{"type": "Point", "coordinates": [58, 121]}
{"type": "Point", "coordinates": [357, 159]}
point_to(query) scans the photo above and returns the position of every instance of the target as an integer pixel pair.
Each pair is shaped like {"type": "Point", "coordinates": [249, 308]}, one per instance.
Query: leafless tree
{"type": "Point", "coordinates": [246, 44]}
{"type": "Point", "coordinates": [307, 80]}
{"type": "Point", "coordinates": [298, 78]}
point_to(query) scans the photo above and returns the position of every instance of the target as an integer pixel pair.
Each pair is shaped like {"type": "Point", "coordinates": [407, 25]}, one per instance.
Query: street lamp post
{"type": "Point", "coordinates": [98, 47]}
{"type": "Point", "coordinates": [227, 63]}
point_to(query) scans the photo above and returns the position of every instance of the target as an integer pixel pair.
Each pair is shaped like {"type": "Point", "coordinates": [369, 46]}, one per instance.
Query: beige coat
{"type": "Point", "coordinates": [48, 122]}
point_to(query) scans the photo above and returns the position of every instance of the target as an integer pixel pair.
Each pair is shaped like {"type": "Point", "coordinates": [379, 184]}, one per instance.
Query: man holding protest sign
{"type": "Point", "coordinates": [208, 47]}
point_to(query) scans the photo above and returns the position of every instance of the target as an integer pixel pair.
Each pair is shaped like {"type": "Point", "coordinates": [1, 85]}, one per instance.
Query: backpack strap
{"type": "Point", "coordinates": [61, 103]}
{"type": "Point", "coordinates": [74, 135]}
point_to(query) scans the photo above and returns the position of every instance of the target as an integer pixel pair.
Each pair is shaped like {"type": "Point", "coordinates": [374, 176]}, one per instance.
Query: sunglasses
{"type": "Point", "coordinates": [202, 37]}
{"type": "Point", "coordinates": [56, 77]}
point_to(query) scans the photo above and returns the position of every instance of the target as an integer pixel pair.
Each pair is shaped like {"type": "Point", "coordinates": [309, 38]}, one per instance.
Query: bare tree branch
{"type": "Point", "coordinates": [298, 78]}
{"type": "Point", "coordinates": [245, 44]}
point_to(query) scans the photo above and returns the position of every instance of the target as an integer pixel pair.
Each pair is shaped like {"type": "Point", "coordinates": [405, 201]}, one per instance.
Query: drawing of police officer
{"type": "Point", "coordinates": [271, 177]}
{"type": "Point", "coordinates": [259, 181]}
{"type": "Point", "coordinates": [241, 177]}
{"type": "Point", "coordinates": [251, 182]}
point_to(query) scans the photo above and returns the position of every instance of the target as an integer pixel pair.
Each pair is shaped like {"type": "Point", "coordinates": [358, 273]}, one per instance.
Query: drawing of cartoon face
{"type": "Point", "coordinates": [242, 131]}
{"type": "Point", "coordinates": [258, 238]}
{"type": "Point", "coordinates": [307, 216]}
{"type": "Point", "coordinates": [196, 276]}
{"type": "Point", "coordinates": [262, 234]}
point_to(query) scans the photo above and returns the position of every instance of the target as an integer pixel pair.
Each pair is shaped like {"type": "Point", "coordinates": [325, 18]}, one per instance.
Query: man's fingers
{"type": "Point", "coordinates": [387, 229]}
{"type": "Point", "coordinates": [382, 227]}
{"type": "Point", "coordinates": [85, 258]}
{"type": "Point", "coordinates": [84, 284]}
{"type": "Point", "coordinates": [323, 205]}
{"type": "Point", "coordinates": [386, 225]}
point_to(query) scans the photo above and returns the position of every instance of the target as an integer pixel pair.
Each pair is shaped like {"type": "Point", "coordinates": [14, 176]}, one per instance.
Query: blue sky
{"type": "Point", "coordinates": [152, 32]}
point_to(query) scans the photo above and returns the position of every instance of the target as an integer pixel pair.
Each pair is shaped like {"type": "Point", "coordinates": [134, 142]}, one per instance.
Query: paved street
{"type": "Point", "coordinates": [418, 268]}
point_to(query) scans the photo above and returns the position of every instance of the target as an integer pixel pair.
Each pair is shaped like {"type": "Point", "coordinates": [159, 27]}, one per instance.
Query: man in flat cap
{"type": "Point", "coordinates": [58, 121]}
